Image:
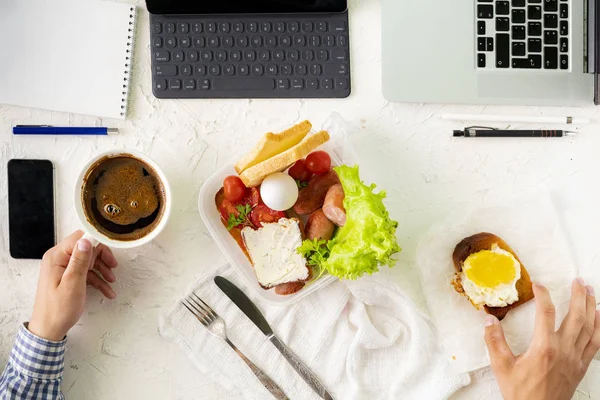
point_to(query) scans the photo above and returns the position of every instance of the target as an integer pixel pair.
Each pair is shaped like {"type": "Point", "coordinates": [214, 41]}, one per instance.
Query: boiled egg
{"type": "Point", "coordinates": [279, 191]}
{"type": "Point", "coordinates": [489, 277]}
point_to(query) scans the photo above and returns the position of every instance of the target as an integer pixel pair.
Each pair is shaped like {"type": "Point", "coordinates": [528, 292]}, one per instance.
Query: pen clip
{"type": "Point", "coordinates": [481, 127]}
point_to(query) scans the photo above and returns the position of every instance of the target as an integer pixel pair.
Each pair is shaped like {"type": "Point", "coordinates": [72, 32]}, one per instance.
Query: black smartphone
{"type": "Point", "coordinates": [30, 208]}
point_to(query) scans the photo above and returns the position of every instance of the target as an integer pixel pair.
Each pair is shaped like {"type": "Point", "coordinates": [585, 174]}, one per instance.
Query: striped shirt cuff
{"type": "Point", "coordinates": [38, 358]}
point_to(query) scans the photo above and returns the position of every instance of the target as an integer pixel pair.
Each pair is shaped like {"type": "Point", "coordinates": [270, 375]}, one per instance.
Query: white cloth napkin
{"type": "Point", "coordinates": [365, 339]}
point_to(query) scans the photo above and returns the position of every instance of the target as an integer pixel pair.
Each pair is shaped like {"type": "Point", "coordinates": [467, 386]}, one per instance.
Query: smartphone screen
{"type": "Point", "coordinates": [30, 208]}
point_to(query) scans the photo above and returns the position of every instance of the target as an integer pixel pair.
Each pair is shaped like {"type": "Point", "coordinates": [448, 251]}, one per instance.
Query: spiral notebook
{"type": "Point", "coordinates": [67, 55]}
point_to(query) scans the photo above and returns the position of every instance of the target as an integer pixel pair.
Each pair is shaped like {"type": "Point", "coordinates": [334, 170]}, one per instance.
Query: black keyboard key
{"type": "Point", "coordinates": [489, 46]}
{"type": "Point", "coordinates": [160, 84]}
{"type": "Point", "coordinates": [337, 26]}
{"type": "Point", "coordinates": [157, 42]}
{"type": "Point", "coordinates": [564, 28]}
{"type": "Point", "coordinates": [285, 41]}
{"type": "Point", "coordinates": [162, 56]}
{"type": "Point", "coordinates": [300, 41]}
{"type": "Point", "coordinates": [518, 3]}
{"type": "Point", "coordinates": [279, 55]}
{"type": "Point", "coordinates": [534, 29]}
{"type": "Point", "coordinates": [518, 32]}
{"type": "Point", "coordinates": [211, 27]}
{"type": "Point", "coordinates": [550, 37]}
{"type": "Point", "coordinates": [238, 27]}
{"type": "Point", "coordinates": [286, 69]}
{"type": "Point", "coordinates": [189, 84]}
{"type": "Point", "coordinates": [564, 45]}
{"type": "Point", "coordinates": [323, 55]}
{"type": "Point", "coordinates": [534, 45]}
{"type": "Point", "coordinates": [256, 41]}
{"type": "Point", "coordinates": [178, 56]}
{"type": "Point", "coordinates": [265, 27]}
{"type": "Point", "coordinates": [221, 55]}
{"type": "Point", "coordinates": [322, 26]}
{"type": "Point", "coordinates": [293, 27]}
{"type": "Point", "coordinates": [518, 16]}
{"type": "Point", "coordinates": [224, 27]}
{"type": "Point", "coordinates": [335, 69]}
{"type": "Point", "coordinates": [185, 70]}
{"type": "Point", "coordinates": [550, 5]}
{"type": "Point", "coordinates": [301, 69]}
{"type": "Point", "coordinates": [316, 69]}
{"type": "Point", "coordinates": [197, 27]}
{"type": "Point", "coordinates": [550, 21]}
{"type": "Point", "coordinates": [204, 84]}
{"type": "Point", "coordinates": [308, 55]}
{"type": "Point", "coordinates": [550, 57]}
{"type": "Point", "coordinates": [480, 44]}
{"type": "Point", "coordinates": [174, 84]}
{"type": "Point", "coordinates": [199, 41]}
{"type": "Point", "coordinates": [293, 55]}
{"type": "Point", "coordinates": [243, 69]}
{"type": "Point", "coordinates": [183, 27]}
{"type": "Point", "coordinates": [564, 61]}
{"type": "Point", "coordinates": [169, 27]}
{"type": "Point", "coordinates": [213, 41]}
{"type": "Point", "coordinates": [298, 83]}
{"type": "Point", "coordinates": [165, 70]}
{"type": "Point", "coordinates": [258, 70]}
{"type": "Point", "coordinates": [227, 41]}
{"type": "Point", "coordinates": [342, 41]}
{"type": "Point", "coordinates": [171, 42]}
{"type": "Point", "coordinates": [564, 11]}
{"type": "Point", "coordinates": [271, 41]}
{"type": "Point", "coordinates": [191, 56]}
{"type": "Point", "coordinates": [315, 41]}
{"type": "Point", "coordinates": [279, 27]}
{"type": "Point", "coordinates": [272, 69]}
{"type": "Point", "coordinates": [329, 41]}
{"type": "Point", "coordinates": [485, 11]}
{"type": "Point", "coordinates": [502, 50]}
{"type": "Point", "coordinates": [264, 55]}
{"type": "Point", "coordinates": [206, 55]}
{"type": "Point", "coordinates": [481, 60]}
{"type": "Point", "coordinates": [185, 42]}
{"type": "Point", "coordinates": [312, 83]}
{"type": "Point", "coordinates": [531, 62]}
{"type": "Point", "coordinates": [502, 8]}
{"type": "Point", "coordinates": [283, 84]}
{"type": "Point", "coordinates": [229, 69]}
{"type": "Point", "coordinates": [481, 27]}
{"type": "Point", "coordinates": [336, 55]}
{"type": "Point", "coordinates": [535, 1]}
{"type": "Point", "coordinates": [518, 49]}
{"type": "Point", "coordinates": [341, 83]}
{"type": "Point", "coordinates": [327, 83]}
{"type": "Point", "coordinates": [200, 70]}
{"type": "Point", "coordinates": [214, 70]}
{"type": "Point", "coordinates": [157, 28]}
{"type": "Point", "coordinates": [252, 27]}
{"type": "Point", "coordinates": [235, 56]}
{"type": "Point", "coordinates": [230, 84]}
{"type": "Point", "coordinates": [534, 12]}
{"type": "Point", "coordinates": [242, 41]}
{"type": "Point", "coordinates": [502, 24]}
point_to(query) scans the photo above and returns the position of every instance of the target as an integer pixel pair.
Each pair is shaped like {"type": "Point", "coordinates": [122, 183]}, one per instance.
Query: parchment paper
{"type": "Point", "coordinates": [533, 230]}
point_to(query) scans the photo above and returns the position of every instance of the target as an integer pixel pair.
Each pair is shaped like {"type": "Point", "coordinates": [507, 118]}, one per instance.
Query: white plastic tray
{"type": "Point", "coordinates": [236, 257]}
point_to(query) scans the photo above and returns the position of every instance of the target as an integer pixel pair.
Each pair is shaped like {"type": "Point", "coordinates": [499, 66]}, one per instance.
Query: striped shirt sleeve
{"type": "Point", "coordinates": [35, 368]}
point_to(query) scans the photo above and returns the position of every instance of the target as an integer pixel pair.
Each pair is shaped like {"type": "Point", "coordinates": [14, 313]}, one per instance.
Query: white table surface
{"type": "Point", "coordinates": [115, 351]}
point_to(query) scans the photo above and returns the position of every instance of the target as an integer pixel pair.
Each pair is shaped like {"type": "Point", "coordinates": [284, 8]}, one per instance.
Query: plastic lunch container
{"type": "Point", "coordinates": [335, 147]}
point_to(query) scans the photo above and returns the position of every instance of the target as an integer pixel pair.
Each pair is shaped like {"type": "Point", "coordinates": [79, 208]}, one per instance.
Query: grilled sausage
{"type": "Point", "coordinates": [312, 197]}
{"type": "Point", "coordinates": [319, 226]}
{"type": "Point", "coordinates": [288, 288]}
{"type": "Point", "coordinates": [333, 207]}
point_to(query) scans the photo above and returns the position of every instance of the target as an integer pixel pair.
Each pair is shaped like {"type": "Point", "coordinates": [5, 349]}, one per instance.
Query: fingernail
{"type": "Point", "coordinates": [490, 320]}
{"type": "Point", "coordinates": [581, 282]}
{"type": "Point", "coordinates": [590, 291]}
{"type": "Point", "coordinates": [84, 245]}
{"type": "Point", "coordinates": [539, 285]}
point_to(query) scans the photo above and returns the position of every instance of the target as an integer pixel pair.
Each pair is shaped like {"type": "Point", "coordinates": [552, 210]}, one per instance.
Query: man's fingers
{"type": "Point", "coordinates": [501, 356]}
{"type": "Point", "coordinates": [588, 327]}
{"type": "Point", "coordinates": [545, 314]}
{"type": "Point", "coordinates": [97, 283]}
{"type": "Point", "coordinates": [80, 262]}
{"type": "Point", "coordinates": [594, 344]}
{"type": "Point", "coordinates": [575, 320]}
{"type": "Point", "coordinates": [105, 271]}
{"type": "Point", "coordinates": [106, 255]}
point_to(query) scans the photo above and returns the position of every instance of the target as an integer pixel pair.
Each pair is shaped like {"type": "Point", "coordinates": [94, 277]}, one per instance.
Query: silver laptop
{"type": "Point", "coordinates": [518, 52]}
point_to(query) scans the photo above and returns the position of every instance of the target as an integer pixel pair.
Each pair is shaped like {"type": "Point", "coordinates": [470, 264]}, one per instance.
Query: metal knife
{"type": "Point", "coordinates": [247, 306]}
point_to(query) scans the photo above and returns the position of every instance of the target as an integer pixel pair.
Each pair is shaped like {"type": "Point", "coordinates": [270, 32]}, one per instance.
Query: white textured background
{"type": "Point", "coordinates": [115, 351]}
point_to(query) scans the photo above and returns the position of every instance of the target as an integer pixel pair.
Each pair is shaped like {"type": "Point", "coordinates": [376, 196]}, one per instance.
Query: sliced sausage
{"type": "Point", "coordinates": [286, 289]}
{"type": "Point", "coordinates": [333, 207]}
{"type": "Point", "coordinates": [312, 197]}
{"type": "Point", "coordinates": [319, 226]}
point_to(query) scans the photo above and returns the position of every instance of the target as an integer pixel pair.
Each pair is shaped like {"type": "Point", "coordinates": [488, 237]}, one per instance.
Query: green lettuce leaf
{"type": "Point", "coordinates": [369, 237]}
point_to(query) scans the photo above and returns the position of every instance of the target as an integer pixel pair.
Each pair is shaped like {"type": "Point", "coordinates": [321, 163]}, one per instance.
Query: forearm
{"type": "Point", "coordinates": [35, 368]}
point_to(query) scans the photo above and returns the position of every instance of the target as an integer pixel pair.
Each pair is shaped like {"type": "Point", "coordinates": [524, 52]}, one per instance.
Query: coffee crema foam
{"type": "Point", "coordinates": [123, 197]}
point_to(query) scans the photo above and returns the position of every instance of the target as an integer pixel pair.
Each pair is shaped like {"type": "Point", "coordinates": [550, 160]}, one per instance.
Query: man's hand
{"type": "Point", "coordinates": [65, 271]}
{"type": "Point", "coordinates": [556, 361]}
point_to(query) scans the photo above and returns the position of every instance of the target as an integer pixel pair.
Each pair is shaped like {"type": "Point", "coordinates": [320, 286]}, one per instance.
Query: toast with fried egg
{"type": "Point", "coordinates": [490, 274]}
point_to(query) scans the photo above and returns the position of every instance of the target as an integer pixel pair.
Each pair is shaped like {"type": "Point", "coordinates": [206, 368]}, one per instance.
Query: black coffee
{"type": "Point", "coordinates": [123, 197]}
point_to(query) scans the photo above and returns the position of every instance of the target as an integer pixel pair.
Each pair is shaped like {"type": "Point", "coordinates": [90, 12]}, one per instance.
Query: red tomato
{"type": "Point", "coordinates": [318, 162]}
{"type": "Point", "coordinates": [262, 213]}
{"type": "Point", "coordinates": [299, 172]}
{"type": "Point", "coordinates": [235, 190]}
{"type": "Point", "coordinates": [252, 198]}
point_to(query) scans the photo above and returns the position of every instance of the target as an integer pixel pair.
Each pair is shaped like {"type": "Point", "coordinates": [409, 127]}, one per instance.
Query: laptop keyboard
{"type": "Point", "coordinates": [250, 57]}
{"type": "Point", "coordinates": [523, 34]}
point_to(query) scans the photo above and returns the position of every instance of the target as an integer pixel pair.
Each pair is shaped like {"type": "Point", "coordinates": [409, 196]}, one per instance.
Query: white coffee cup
{"type": "Point", "coordinates": [92, 233]}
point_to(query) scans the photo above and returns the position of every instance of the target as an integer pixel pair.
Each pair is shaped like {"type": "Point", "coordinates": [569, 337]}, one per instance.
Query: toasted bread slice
{"type": "Point", "coordinates": [272, 144]}
{"type": "Point", "coordinates": [254, 176]}
{"type": "Point", "coordinates": [485, 241]}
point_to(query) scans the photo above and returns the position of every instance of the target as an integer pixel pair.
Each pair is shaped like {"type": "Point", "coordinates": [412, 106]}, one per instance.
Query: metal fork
{"type": "Point", "coordinates": [216, 326]}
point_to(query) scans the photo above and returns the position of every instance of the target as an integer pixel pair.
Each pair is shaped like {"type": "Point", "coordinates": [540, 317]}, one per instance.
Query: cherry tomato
{"type": "Point", "coordinates": [262, 213]}
{"type": "Point", "coordinates": [318, 162]}
{"type": "Point", "coordinates": [235, 190]}
{"type": "Point", "coordinates": [299, 172]}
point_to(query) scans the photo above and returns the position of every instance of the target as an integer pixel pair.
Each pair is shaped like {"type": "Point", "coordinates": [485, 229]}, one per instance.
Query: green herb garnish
{"type": "Point", "coordinates": [242, 218]}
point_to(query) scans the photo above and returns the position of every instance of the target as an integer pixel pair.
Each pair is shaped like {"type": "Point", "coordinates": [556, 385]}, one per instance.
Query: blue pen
{"type": "Point", "coordinates": [62, 130]}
